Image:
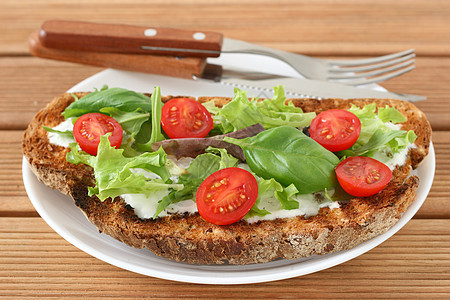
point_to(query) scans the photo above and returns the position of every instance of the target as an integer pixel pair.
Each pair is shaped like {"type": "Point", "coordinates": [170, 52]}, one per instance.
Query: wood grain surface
{"type": "Point", "coordinates": [415, 263]}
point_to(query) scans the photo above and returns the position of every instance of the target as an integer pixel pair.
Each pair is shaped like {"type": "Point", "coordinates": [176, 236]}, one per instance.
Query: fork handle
{"type": "Point", "coordinates": [116, 38]}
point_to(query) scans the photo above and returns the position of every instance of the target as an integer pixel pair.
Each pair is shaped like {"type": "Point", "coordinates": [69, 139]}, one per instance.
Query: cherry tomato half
{"type": "Point", "coordinates": [184, 118]}
{"type": "Point", "coordinates": [89, 127]}
{"type": "Point", "coordinates": [226, 196]}
{"type": "Point", "coordinates": [335, 129]}
{"type": "Point", "coordinates": [362, 176]}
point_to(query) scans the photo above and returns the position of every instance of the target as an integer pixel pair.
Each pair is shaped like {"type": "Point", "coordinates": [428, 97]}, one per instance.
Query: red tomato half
{"type": "Point", "coordinates": [335, 129]}
{"type": "Point", "coordinates": [362, 176]}
{"type": "Point", "coordinates": [226, 196]}
{"type": "Point", "coordinates": [89, 127]}
{"type": "Point", "coordinates": [185, 118]}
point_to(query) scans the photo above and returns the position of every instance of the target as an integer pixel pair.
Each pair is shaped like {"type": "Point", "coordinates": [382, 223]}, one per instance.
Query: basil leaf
{"type": "Point", "coordinates": [122, 99]}
{"type": "Point", "coordinates": [290, 157]}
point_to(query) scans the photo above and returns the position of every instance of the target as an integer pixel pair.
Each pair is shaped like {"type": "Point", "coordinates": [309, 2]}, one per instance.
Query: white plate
{"type": "Point", "coordinates": [67, 220]}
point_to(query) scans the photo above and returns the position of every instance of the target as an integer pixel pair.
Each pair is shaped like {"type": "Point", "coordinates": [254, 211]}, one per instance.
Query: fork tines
{"type": "Point", "coordinates": [371, 70]}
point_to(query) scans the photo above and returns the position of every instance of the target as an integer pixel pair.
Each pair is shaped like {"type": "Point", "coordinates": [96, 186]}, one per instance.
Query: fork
{"type": "Point", "coordinates": [350, 72]}
{"type": "Point", "coordinates": [116, 38]}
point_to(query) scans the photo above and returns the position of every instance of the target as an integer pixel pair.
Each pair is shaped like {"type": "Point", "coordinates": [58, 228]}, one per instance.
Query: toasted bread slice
{"type": "Point", "coordinates": [188, 238]}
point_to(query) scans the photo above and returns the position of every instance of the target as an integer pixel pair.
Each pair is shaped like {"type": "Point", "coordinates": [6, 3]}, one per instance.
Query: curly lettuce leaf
{"type": "Point", "coordinates": [241, 112]}
{"type": "Point", "coordinates": [226, 160]}
{"type": "Point", "coordinates": [272, 189]}
{"type": "Point", "coordinates": [379, 132]}
{"type": "Point", "coordinates": [113, 171]}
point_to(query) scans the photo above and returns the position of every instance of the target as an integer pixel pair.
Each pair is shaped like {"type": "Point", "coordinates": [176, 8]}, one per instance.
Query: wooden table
{"type": "Point", "coordinates": [415, 263]}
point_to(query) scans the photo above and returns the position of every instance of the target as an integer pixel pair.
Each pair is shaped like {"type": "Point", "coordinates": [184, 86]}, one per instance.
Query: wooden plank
{"type": "Point", "coordinates": [440, 190]}
{"type": "Point", "coordinates": [29, 83]}
{"type": "Point", "coordinates": [41, 80]}
{"type": "Point", "coordinates": [14, 200]}
{"type": "Point", "coordinates": [321, 27]}
{"type": "Point", "coordinates": [35, 261]}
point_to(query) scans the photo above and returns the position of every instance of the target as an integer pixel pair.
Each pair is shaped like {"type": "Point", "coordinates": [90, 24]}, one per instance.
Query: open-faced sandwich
{"type": "Point", "coordinates": [231, 180]}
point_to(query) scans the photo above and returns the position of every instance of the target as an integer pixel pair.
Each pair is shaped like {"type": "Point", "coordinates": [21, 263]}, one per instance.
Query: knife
{"type": "Point", "coordinates": [298, 87]}
{"type": "Point", "coordinates": [198, 69]}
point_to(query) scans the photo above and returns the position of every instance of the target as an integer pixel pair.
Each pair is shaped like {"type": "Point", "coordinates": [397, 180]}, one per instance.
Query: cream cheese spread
{"type": "Point", "coordinates": [309, 205]}
{"type": "Point", "coordinates": [60, 139]}
{"type": "Point", "coordinates": [64, 140]}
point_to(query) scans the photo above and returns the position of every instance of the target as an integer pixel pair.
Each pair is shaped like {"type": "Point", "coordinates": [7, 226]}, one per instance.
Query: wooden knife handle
{"type": "Point", "coordinates": [155, 64]}
{"type": "Point", "coordinates": [115, 38]}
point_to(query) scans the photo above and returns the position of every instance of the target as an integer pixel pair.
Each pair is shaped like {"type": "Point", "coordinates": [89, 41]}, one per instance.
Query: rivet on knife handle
{"type": "Point", "coordinates": [115, 38]}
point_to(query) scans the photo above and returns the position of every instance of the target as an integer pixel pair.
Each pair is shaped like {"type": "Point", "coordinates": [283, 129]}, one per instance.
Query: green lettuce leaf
{"type": "Point", "coordinates": [156, 133]}
{"type": "Point", "coordinates": [113, 171]}
{"type": "Point", "coordinates": [241, 112]}
{"type": "Point", "coordinates": [378, 132]}
{"type": "Point", "coordinates": [131, 122]}
{"type": "Point", "coordinates": [66, 133]}
{"type": "Point", "coordinates": [271, 188]}
{"type": "Point", "coordinates": [390, 114]}
{"type": "Point", "coordinates": [226, 160]}
{"type": "Point", "coordinates": [200, 168]}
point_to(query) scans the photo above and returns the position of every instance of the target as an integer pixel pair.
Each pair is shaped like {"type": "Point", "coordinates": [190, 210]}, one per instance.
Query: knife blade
{"type": "Point", "coordinates": [298, 87]}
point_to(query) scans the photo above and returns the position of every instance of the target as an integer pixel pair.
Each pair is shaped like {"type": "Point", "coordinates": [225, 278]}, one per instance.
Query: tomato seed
{"type": "Point", "coordinates": [373, 176]}
{"type": "Point", "coordinates": [329, 137]}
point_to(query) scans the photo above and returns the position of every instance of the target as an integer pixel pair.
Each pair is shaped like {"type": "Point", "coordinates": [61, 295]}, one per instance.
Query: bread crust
{"type": "Point", "coordinates": [188, 238]}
